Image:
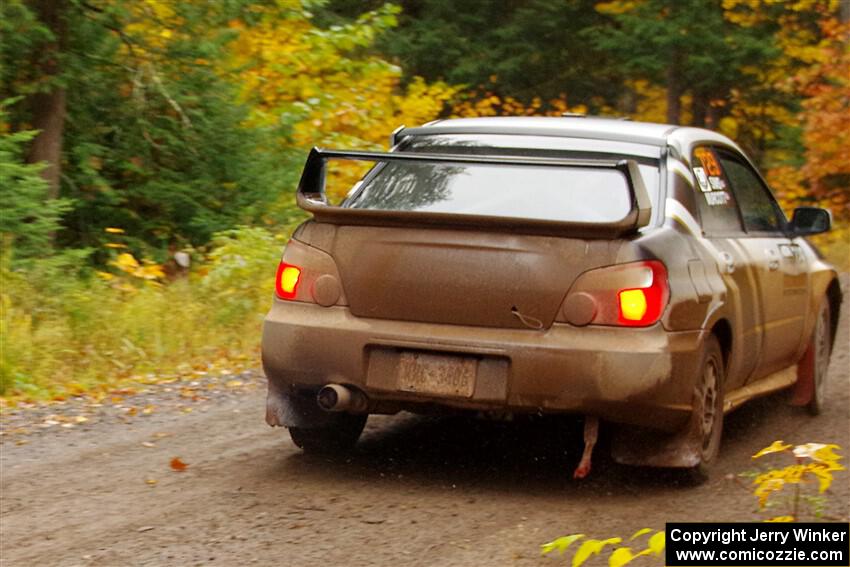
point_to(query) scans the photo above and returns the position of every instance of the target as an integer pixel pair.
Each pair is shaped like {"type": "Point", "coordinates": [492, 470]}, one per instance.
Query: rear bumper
{"type": "Point", "coordinates": [638, 376]}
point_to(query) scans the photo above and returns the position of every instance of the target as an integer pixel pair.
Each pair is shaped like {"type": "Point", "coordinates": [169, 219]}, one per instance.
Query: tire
{"type": "Point", "coordinates": [339, 436]}
{"type": "Point", "coordinates": [821, 345]}
{"type": "Point", "coordinates": [707, 419]}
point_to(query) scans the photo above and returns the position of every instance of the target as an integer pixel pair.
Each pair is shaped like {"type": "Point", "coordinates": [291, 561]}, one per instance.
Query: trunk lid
{"type": "Point", "coordinates": [461, 277]}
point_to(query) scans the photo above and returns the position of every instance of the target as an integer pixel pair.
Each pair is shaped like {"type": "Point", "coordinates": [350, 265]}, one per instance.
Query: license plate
{"type": "Point", "coordinates": [441, 375]}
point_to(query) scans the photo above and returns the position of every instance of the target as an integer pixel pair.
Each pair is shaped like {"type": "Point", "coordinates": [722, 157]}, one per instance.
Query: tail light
{"type": "Point", "coordinates": [286, 281]}
{"type": "Point", "coordinates": [630, 295]}
{"type": "Point", "coordinates": [308, 275]}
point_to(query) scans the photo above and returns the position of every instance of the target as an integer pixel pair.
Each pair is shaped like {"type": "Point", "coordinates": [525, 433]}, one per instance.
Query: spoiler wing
{"type": "Point", "coordinates": [311, 195]}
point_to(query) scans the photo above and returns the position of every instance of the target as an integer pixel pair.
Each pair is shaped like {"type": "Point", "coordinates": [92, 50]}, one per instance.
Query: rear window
{"type": "Point", "coordinates": [533, 192]}
{"type": "Point", "coordinates": [557, 193]}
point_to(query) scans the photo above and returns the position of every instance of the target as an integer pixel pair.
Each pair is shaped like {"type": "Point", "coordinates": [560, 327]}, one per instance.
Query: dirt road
{"type": "Point", "coordinates": [99, 490]}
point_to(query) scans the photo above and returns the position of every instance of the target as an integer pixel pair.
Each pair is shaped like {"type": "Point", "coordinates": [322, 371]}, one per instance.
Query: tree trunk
{"type": "Point", "coordinates": [48, 111]}
{"type": "Point", "coordinates": [48, 108]}
{"type": "Point", "coordinates": [699, 110]}
{"type": "Point", "coordinates": [674, 94]}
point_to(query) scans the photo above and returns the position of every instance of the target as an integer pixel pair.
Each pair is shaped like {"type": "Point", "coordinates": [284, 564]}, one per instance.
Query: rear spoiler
{"type": "Point", "coordinates": [311, 195]}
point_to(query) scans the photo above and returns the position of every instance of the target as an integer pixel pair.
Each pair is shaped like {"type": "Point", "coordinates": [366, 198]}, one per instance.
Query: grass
{"type": "Point", "coordinates": [61, 336]}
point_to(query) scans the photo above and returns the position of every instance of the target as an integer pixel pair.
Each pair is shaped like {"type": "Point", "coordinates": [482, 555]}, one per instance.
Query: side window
{"type": "Point", "coordinates": [717, 206]}
{"type": "Point", "coordinates": [758, 208]}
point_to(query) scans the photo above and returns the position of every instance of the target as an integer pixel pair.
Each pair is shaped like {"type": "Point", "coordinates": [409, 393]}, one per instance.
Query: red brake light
{"type": "Point", "coordinates": [286, 281]}
{"type": "Point", "coordinates": [631, 295]}
{"type": "Point", "coordinates": [642, 306]}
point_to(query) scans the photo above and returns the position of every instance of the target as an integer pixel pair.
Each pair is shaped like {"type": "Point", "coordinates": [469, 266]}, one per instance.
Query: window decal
{"type": "Point", "coordinates": [702, 179]}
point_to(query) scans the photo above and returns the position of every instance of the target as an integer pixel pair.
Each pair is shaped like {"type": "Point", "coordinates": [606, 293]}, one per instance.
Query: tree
{"type": "Point", "coordinates": [28, 219]}
{"type": "Point", "coordinates": [689, 47]}
{"type": "Point", "coordinates": [323, 85]}
{"type": "Point", "coordinates": [148, 136]}
{"type": "Point", "coordinates": [523, 49]}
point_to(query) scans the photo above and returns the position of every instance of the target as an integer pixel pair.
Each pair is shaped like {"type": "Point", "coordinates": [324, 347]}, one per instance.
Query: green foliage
{"type": "Point", "coordinates": [241, 272]}
{"type": "Point", "coordinates": [28, 218]}
{"type": "Point", "coordinates": [61, 334]}
{"type": "Point", "coordinates": [154, 141]}
{"type": "Point", "coordinates": [526, 49]}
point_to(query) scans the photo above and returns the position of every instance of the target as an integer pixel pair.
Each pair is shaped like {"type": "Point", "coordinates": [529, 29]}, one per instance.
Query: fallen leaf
{"type": "Point", "coordinates": [234, 383]}
{"type": "Point", "coordinates": [148, 444]}
{"type": "Point", "coordinates": [81, 419]}
{"type": "Point", "coordinates": [145, 529]}
{"type": "Point", "coordinates": [178, 465]}
{"type": "Point", "coordinates": [151, 481]}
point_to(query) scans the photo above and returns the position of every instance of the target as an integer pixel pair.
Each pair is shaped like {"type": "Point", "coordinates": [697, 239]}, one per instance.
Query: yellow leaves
{"type": "Point", "coordinates": [488, 104]}
{"type": "Point", "coordinates": [657, 542]}
{"type": "Point", "coordinates": [640, 532]}
{"type": "Point", "coordinates": [728, 126]}
{"type": "Point", "coordinates": [592, 547]}
{"type": "Point", "coordinates": [314, 81]}
{"type": "Point", "coordinates": [125, 262]}
{"type": "Point", "coordinates": [561, 544]}
{"type": "Point", "coordinates": [775, 447]}
{"type": "Point", "coordinates": [619, 556]}
{"type": "Point", "coordinates": [823, 461]}
{"type": "Point", "coordinates": [780, 519]}
{"type": "Point", "coordinates": [113, 230]}
{"type": "Point", "coordinates": [816, 451]}
{"type": "Point", "coordinates": [616, 7]}
{"type": "Point", "coordinates": [128, 264]}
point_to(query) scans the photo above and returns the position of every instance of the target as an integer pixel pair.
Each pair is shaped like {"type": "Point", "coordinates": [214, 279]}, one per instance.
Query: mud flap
{"type": "Point", "coordinates": [639, 446]}
{"type": "Point", "coordinates": [804, 387]}
{"type": "Point", "coordinates": [644, 447]}
{"type": "Point", "coordinates": [285, 409]}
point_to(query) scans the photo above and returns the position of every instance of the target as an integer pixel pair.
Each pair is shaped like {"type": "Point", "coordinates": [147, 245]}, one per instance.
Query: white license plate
{"type": "Point", "coordinates": [441, 375]}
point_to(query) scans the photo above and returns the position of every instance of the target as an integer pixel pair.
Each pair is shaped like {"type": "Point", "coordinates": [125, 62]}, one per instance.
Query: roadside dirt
{"type": "Point", "coordinates": [418, 491]}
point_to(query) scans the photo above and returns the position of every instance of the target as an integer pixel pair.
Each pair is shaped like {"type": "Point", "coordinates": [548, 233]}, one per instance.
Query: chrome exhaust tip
{"type": "Point", "coordinates": [336, 397]}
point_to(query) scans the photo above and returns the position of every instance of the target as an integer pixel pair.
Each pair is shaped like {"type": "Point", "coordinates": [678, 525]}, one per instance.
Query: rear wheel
{"type": "Point", "coordinates": [707, 419]}
{"type": "Point", "coordinates": [339, 435]}
{"type": "Point", "coordinates": [821, 346]}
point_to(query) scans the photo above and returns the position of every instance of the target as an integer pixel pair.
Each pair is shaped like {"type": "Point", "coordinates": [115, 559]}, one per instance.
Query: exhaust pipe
{"type": "Point", "coordinates": [336, 397]}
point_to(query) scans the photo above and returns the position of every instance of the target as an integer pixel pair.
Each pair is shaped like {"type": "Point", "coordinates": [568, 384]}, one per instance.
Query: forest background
{"type": "Point", "coordinates": [149, 148]}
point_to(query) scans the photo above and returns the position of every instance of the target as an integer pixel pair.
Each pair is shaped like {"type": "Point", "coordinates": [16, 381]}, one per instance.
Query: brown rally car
{"type": "Point", "coordinates": [638, 273]}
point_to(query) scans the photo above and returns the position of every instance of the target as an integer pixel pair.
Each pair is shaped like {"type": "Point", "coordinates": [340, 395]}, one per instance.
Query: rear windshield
{"type": "Point", "coordinates": [557, 193]}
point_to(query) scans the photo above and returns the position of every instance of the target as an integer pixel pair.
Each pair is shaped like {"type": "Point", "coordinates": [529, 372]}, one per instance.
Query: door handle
{"type": "Point", "coordinates": [772, 259]}
{"type": "Point", "coordinates": [728, 262]}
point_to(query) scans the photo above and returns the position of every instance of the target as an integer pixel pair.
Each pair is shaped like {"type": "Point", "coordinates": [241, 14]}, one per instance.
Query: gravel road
{"type": "Point", "coordinates": [92, 484]}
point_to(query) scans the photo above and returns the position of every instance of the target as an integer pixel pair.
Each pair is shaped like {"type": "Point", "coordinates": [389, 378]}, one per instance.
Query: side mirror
{"type": "Point", "coordinates": [810, 220]}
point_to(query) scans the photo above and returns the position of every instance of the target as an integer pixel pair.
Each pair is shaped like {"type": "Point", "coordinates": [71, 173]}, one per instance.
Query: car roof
{"type": "Point", "coordinates": [590, 127]}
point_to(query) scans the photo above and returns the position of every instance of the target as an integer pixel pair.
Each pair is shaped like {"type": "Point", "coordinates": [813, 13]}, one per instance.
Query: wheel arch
{"type": "Point", "coordinates": [722, 329]}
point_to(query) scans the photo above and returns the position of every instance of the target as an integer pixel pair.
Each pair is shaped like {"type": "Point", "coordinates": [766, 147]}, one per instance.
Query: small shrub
{"type": "Point", "coordinates": [811, 462]}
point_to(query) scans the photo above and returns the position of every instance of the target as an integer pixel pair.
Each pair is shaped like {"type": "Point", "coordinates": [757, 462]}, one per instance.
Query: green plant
{"type": "Point", "coordinates": [812, 461]}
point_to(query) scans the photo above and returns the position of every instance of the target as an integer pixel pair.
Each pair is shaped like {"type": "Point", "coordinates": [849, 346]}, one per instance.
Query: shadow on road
{"type": "Point", "coordinates": [531, 455]}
